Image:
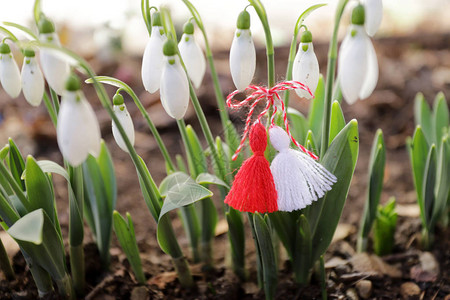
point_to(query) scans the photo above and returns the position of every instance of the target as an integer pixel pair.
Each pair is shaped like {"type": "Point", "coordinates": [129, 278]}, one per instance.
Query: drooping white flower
{"type": "Point", "coordinates": [33, 84]}
{"type": "Point", "coordinates": [56, 69]}
{"type": "Point", "coordinates": [306, 67]}
{"type": "Point", "coordinates": [357, 63]}
{"type": "Point", "coordinates": [9, 72]}
{"type": "Point", "coordinates": [153, 59]}
{"type": "Point", "coordinates": [125, 120]}
{"type": "Point", "coordinates": [174, 84]}
{"type": "Point", "coordinates": [78, 132]}
{"type": "Point", "coordinates": [192, 55]}
{"type": "Point", "coordinates": [299, 179]}
{"type": "Point", "coordinates": [374, 14]}
{"type": "Point", "coordinates": [242, 53]}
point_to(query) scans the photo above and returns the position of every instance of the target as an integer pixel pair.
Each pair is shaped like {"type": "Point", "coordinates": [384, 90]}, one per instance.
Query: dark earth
{"type": "Point", "coordinates": [407, 65]}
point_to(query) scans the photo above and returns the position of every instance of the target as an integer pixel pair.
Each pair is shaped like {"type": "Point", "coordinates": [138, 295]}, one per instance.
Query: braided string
{"type": "Point", "coordinates": [260, 93]}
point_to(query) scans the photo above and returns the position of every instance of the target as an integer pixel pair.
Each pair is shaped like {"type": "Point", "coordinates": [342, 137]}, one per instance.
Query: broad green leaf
{"type": "Point", "coordinates": [224, 153]}
{"type": "Point", "coordinates": [7, 212]}
{"type": "Point", "coordinates": [315, 115]}
{"type": "Point", "coordinates": [207, 178]}
{"type": "Point", "coordinates": [440, 117]}
{"type": "Point", "coordinates": [423, 117]}
{"type": "Point", "coordinates": [29, 227]}
{"type": "Point", "coordinates": [180, 163]}
{"type": "Point", "coordinates": [298, 125]}
{"type": "Point", "coordinates": [418, 153]}
{"type": "Point", "coordinates": [127, 239]}
{"type": "Point", "coordinates": [48, 166]}
{"type": "Point", "coordinates": [310, 142]}
{"type": "Point", "coordinates": [384, 228]}
{"type": "Point", "coordinates": [39, 190]}
{"type": "Point", "coordinates": [180, 191]}
{"type": "Point", "coordinates": [151, 198]}
{"type": "Point", "coordinates": [236, 236]}
{"type": "Point", "coordinates": [429, 182]}
{"type": "Point", "coordinates": [337, 120]}
{"type": "Point", "coordinates": [232, 140]}
{"type": "Point", "coordinates": [4, 152]}
{"type": "Point", "coordinates": [442, 188]}
{"type": "Point", "coordinates": [198, 158]}
{"type": "Point", "coordinates": [324, 214]}
{"type": "Point", "coordinates": [106, 166]}
{"type": "Point", "coordinates": [16, 163]}
{"type": "Point", "coordinates": [268, 259]}
{"type": "Point", "coordinates": [285, 224]}
{"type": "Point", "coordinates": [303, 251]}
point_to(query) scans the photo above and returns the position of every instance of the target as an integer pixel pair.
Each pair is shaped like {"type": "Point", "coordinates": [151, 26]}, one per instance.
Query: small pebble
{"type": "Point", "coordinates": [364, 288]}
{"type": "Point", "coordinates": [409, 290]}
{"type": "Point", "coordinates": [139, 293]}
{"type": "Point", "coordinates": [352, 294]}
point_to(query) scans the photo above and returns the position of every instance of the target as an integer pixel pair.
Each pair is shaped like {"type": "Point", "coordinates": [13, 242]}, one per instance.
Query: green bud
{"type": "Point", "coordinates": [243, 21]}
{"type": "Point", "coordinates": [156, 20]}
{"type": "Point", "coordinates": [188, 28]}
{"type": "Point", "coordinates": [306, 37]}
{"type": "Point", "coordinates": [118, 99]}
{"type": "Point", "coordinates": [73, 83]}
{"type": "Point", "coordinates": [28, 52]}
{"type": "Point", "coordinates": [169, 48]}
{"type": "Point", "coordinates": [4, 48]}
{"type": "Point", "coordinates": [358, 15]}
{"type": "Point", "coordinates": [46, 26]}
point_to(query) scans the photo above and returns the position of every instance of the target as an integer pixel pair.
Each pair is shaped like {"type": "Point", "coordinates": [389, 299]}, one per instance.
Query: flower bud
{"type": "Point", "coordinates": [192, 55]}
{"type": "Point", "coordinates": [121, 112]}
{"type": "Point", "coordinates": [306, 66]}
{"type": "Point", "coordinates": [242, 54]}
{"type": "Point", "coordinates": [78, 132]}
{"type": "Point", "coordinates": [33, 84]}
{"type": "Point", "coordinates": [174, 84]}
{"type": "Point", "coordinates": [153, 59]}
{"type": "Point", "coordinates": [358, 15]}
{"type": "Point", "coordinates": [9, 72]}
{"type": "Point", "coordinates": [374, 14]}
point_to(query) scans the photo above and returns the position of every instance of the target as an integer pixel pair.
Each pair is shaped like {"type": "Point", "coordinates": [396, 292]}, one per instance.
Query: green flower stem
{"type": "Point", "coordinates": [50, 109]}
{"type": "Point", "coordinates": [331, 69]}
{"type": "Point", "coordinates": [5, 264]}
{"type": "Point", "coordinates": [145, 10]}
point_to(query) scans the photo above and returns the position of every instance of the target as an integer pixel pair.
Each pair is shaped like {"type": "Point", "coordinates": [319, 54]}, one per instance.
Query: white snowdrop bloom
{"type": "Point", "coordinates": [357, 63]}
{"type": "Point", "coordinates": [299, 179]}
{"type": "Point", "coordinates": [9, 72]}
{"type": "Point", "coordinates": [78, 132]}
{"type": "Point", "coordinates": [374, 14]}
{"type": "Point", "coordinates": [33, 84]}
{"type": "Point", "coordinates": [125, 120]}
{"type": "Point", "coordinates": [242, 53]}
{"type": "Point", "coordinates": [55, 68]}
{"type": "Point", "coordinates": [192, 55]}
{"type": "Point", "coordinates": [306, 67]}
{"type": "Point", "coordinates": [174, 84]}
{"type": "Point", "coordinates": [153, 59]}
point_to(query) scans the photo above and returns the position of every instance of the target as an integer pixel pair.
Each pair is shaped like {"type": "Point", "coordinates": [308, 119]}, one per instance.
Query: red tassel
{"type": "Point", "coordinates": [253, 188]}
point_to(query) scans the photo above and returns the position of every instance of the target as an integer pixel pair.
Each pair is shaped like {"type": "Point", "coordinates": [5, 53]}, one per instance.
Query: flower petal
{"type": "Point", "coordinates": [193, 58]}
{"type": "Point", "coordinates": [371, 77]}
{"type": "Point", "coordinates": [127, 124]}
{"type": "Point", "coordinates": [33, 84]}
{"type": "Point", "coordinates": [242, 59]}
{"type": "Point", "coordinates": [153, 60]}
{"type": "Point", "coordinates": [55, 68]}
{"type": "Point", "coordinates": [306, 69]}
{"type": "Point", "coordinates": [10, 75]}
{"type": "Point", "coordinates": [374, 14]}
{"type": "Point", "coordinates": [352, 64]}
{"type": "Point", "coordinates": [174, 88]}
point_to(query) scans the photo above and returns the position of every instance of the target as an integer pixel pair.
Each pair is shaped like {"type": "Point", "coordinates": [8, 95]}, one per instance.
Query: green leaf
{"type": "Point", "coordinates": [125, 234]}
{"type": "Point", "coordinates": [324, 214]}
{"type": "Point", "coordinates": [180, 163]}
{"type": "Point", "coordinates": [285, 224]}
{"type": "Point", "coordinates": [423, 117]}
{"type": "Point", "coordinates": [337, 121]}
{"type": "Point", "coordinates": [198, 159]}
{"type": "Point", "coordinates": [48, 166]}
{"type": "Point", "coordinates": [207, 178]}
{"type": "Point", "coordinates": [440, 117]}
{"type": "Point", "coordinates": [418, 154]}
{"type": "Point", "coordinates": [429, 182]}
{"type": "Point", "coordinates": [233, 139]}
{"type": "Point", "coordinates": [315, 115]}
{"type": "Point", "coordinates": [16, 163]}
{"type": "Point", "coordinates": [151, 198]}
{"type": "Point", "coordinates": [7, 211]}
{"type": "Point", "coordinates": [298, 124]}
{"type": "Point", "coordinates": [442, 188]}
{"type": "Point", "coordinates": [384, 228]}
{"type": "Point", "coordinates": [236, 236]}
{"type": "Point", "coordinates": [268, 259]}
{"type": "Point", "coordinates": [310, 142]}
{"type": "Point", "coordinates": [4, 152]}
{"type": "Point", "coordinates": [29, 227]}
{"type": "Point", "coordinates": [303, 251]}
{"type": "Point", "coordinates": [179, 190]}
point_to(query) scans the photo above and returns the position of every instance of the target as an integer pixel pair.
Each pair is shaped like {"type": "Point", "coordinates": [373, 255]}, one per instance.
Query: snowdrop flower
{"type": "Point", "coordinates": [374, 14]}
{"type": "Point", "coordinates": [32, 79]}
{"type": "Point", "coordinates": [56, 69]}
{"type": "Point", "coordinates": [192, 55]}
{"type": "Point", "coordinates": [357, 65]}
{"type": "Point", "coordinates": [9, 72]}
{"type": "Point", "coordinates": [78, 132]}
{"type": "Point", "coordinates": [242, 53]}
{"type": "Point", "coordinates": [152, 61]}
{"type": "Point", "coordinates": [174, 83]}
{"type": "Point", "coordinates": [125, 120]}
{"type": "Point", "coordinates": [306, 66]}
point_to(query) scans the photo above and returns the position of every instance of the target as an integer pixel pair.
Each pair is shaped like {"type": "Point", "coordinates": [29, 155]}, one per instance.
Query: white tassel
{"type": "Point", "coordinates": [299, 179]}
